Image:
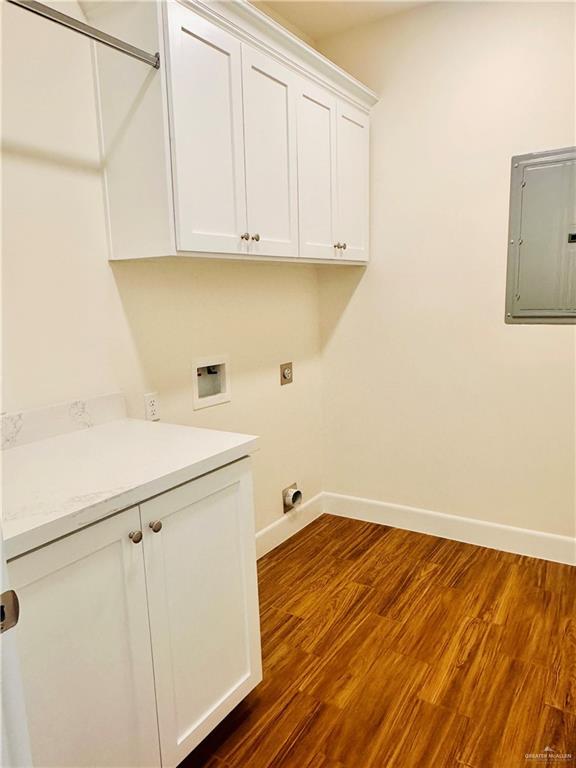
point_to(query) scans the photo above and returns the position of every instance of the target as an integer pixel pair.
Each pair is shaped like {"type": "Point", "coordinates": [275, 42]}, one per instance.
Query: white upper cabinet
{"type": "Point", "coordinates": [246, 143]}
{"type": "Point", "coordinates": [352, 169]}
{"type": "Point", "coordinates": [207, 134]}
{"type": "Point", "coordinates": [317, 171]}
{"type": "Point", "coordinates": [333, 167]}
{"type": "Point", "coordinates": [270, 150]}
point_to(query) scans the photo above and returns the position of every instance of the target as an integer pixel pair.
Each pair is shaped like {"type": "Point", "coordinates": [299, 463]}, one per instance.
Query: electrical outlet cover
{"type": "Point", "coordinates": [286, 374]}
{"type": "Point", "coordinates": [151, 406]}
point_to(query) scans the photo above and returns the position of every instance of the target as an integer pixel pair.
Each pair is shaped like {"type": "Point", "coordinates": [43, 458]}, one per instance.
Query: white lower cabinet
{"type": "Point", "coordinates": [203, 604]}
{"type": "Point", "coordinates": [134, 648]}
{"type": "Point", "coordinates": [84, 647]}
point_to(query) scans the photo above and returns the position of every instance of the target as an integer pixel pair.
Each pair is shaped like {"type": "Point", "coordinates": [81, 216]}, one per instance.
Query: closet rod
{"type": "Point", "coordinates": [85, 29]}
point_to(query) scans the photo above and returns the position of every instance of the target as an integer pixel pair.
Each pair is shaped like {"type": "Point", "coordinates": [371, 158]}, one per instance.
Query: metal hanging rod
{"type": "Point", "coordinates": [85, 29]}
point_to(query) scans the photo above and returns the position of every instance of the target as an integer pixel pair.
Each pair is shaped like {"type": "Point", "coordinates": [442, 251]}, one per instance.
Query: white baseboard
{"type": "Point", "coordinates": [292, 522]}
{"type": "Point", "coordinates": [521, 541]}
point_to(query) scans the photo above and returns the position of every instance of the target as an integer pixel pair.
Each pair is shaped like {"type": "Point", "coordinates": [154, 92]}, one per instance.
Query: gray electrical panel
{"type": "Point", "coordinates": [541, 280]}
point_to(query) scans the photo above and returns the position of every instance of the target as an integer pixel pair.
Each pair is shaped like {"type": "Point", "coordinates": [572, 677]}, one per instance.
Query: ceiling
{"type": "Point", "coordinates": [322, 18]}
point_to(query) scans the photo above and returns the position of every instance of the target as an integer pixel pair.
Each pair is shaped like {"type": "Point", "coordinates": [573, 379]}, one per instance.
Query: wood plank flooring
{"type": "Point", "coordinates": [383, 648]}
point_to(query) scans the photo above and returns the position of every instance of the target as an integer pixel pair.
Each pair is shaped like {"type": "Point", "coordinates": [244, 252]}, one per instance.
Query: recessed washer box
{"type": "Point", "coordinates": [211, 381]}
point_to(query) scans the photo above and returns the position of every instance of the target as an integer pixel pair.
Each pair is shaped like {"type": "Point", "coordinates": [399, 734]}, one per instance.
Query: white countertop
{"type": "Point", "coordinates": [55, 486]}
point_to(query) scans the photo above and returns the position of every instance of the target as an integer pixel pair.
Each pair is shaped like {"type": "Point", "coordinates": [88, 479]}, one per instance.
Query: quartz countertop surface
{"type": "Point", "coordinates": [54, 486]}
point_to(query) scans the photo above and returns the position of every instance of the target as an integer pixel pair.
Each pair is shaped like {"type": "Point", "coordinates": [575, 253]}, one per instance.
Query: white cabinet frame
{"type": "Point", "coordinates": [203, 193]}
{"type": "Point", "coordinates": [136, 640]}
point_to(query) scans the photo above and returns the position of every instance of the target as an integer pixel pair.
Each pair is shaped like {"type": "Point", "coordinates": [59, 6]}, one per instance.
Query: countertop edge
{"type": "Point", "coordinates": [20, 542]}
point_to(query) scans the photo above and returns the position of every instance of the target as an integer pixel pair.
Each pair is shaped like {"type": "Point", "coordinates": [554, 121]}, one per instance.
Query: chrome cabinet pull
{"type": "Point", "coordinates": [245, 236]}
{"type": "Point", "coordinates": [156, 525]}
{"type": "Point", "coordinates": [337, 245]}
{"type": "Point", "coordinates": [343, 246]}
{"type": "Point", "coordinates": [256, 237]}
{"type": "Point", "coordinates": [136, 536]}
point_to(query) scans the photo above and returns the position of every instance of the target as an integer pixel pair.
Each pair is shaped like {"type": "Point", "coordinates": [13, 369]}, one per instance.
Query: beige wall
{"type": "Point", "coordinates": [62, 325]}
{"type": "Point", "coordinates": [260, 315]}
{"type": "Point", "coordinates": [269, 8]}
{"type": "Point", "coordinates": [75, 327]}
{"type": "Point", "coordinates": [431, 400]}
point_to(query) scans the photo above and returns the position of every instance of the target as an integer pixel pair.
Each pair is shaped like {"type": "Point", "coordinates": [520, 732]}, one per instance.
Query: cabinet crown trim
{"type": "Point", "coordinates": [251, 25]}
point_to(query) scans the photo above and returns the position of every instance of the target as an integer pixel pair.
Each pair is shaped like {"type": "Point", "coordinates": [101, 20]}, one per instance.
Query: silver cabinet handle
{"type": "Point", "coordinates": [343, 246]}
{"type": "Point", "coordinates": [156, 525]}
{"type": "Point", "coordinates": [337, 245]}
{"type": "Point", "coordinates": [256, 237]}
{"type": "Point", "coordinates": [245, 236]}
{"type": "Point", "coordinates": [136, 536]}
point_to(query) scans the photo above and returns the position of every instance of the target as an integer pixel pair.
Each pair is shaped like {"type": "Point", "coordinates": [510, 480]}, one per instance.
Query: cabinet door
{"type": "Point", "coordinates": [84, 645]}
{"type": "Point", "coordinates": [270, 146]}
{"type": "Point", "coordinates": [316, 172]}
{"type": "Point", "coordinates": [353, 200]}
{"type": "Point", "coordinates": [205, 82]}
{"type": "Point", "coordinates": [203, 603]}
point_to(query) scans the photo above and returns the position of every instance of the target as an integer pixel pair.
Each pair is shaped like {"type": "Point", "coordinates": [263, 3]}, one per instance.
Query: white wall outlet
{"type": "Point", "coordinates": [151, 406]}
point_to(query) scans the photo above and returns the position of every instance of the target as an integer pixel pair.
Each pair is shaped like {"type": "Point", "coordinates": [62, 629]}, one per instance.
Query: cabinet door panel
{"type": "Point", "coordinates": [270, 145]}
{"type": "Point", "coordinates": [353, 200]}
{"type": "Point", "coordinates": [84, 645]}
{"type": "Point", "coordinates": [208, 146]}
{"type": "Point", "coordinates": [201, 573]}
{"type": "Point", "coordinates": [316, 172]}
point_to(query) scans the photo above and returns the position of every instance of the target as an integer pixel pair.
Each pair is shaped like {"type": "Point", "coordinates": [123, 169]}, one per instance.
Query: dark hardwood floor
{"type": "Point", "coordinates": [388, 648]}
